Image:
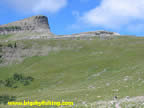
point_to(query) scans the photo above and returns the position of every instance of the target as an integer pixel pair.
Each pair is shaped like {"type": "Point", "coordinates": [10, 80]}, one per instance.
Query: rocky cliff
{"type": "Point", "coordinates": [32, 24]}
{"type": "Point", "coordinates": [37, 27]}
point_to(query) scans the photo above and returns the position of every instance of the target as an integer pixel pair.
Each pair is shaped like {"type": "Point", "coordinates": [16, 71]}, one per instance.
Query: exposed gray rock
{"type": "Point", "coordinates": [106, 35]}
{"type": "Point", "coordinates": [32, 24]}
{"type": "Point", "coordinates": [37, 27]}
{"type": "Point", "coordinates": [97, 33]}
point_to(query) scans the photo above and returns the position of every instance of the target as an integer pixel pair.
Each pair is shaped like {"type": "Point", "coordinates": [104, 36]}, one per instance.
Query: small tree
{"type": "Point", "coordinates": [15, 45]}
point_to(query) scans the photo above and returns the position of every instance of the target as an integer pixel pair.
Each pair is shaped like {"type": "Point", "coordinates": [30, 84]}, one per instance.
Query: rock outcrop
{"type": "Point", "coordinates": [97, 33]}
{"type": "Point", "coordinates": [32, 24]}
{"type": "Point", "coordinates": [37, 27]}
{"type": "Point", "coordinates": [106, 35]}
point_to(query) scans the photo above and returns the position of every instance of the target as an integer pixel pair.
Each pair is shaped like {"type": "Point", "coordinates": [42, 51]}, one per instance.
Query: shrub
{"type": "Point", "coordinates": [15, 45]}
{"type": "Point", "coordinates": [29, 78]}
{"type": "Point", "coordinates": [26, 83]}
{"type": "Point", "coordinates": [5, 99]}
{"type": "Point", "coordinates": [17, 77]}
{"type": "Point", "coordinates": [9, 82]}
{"type": "Point", "coordinates": [10, 45]}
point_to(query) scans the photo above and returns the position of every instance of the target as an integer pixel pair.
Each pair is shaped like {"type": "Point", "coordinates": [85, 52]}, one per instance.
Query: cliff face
{"type": "Point", "coordinates": [34, 23]}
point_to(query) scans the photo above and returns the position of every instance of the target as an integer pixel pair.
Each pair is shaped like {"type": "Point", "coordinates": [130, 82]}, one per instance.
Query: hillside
{"type": "Point", "coordinates": [85, 71]}
{"type": "Point", "coordinates": [97, 69]}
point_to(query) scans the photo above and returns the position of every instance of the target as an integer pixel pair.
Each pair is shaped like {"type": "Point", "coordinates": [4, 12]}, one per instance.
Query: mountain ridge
{"type": "Point", "coordinates": [40, 24]}
{"type": "Point", "coordinates": [31, 24]}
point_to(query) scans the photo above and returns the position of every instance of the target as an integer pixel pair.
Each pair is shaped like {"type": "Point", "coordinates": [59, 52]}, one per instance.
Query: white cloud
{"type": "Point", "coordinates": [114, 14]}
{"type": "Point", "coordinates": [37, 6]}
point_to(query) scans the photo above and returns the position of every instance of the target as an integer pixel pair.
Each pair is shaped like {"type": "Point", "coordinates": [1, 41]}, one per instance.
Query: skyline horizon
{"type": "Point", "coordinates": [69, 17]}
{"type": "Point", "coordinates": [61, 34]}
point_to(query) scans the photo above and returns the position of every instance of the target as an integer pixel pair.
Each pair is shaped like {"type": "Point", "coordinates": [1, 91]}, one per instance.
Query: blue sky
{"type": "Point", "coordinates": [74, 16]}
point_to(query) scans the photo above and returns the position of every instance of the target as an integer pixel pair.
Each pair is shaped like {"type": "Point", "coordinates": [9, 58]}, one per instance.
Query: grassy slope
{"type": "Point", "coordinates": [90, 73]}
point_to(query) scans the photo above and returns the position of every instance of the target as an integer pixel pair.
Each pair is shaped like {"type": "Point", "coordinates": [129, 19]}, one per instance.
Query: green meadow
{"type": "Point", "coordinates": [81, 71]}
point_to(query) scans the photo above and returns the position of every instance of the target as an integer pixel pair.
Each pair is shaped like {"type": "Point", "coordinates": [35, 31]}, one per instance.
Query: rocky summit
{"type": "Point", "coordinates": [32, 24]}
{"type": "Point", "coordinates": [37, 27]}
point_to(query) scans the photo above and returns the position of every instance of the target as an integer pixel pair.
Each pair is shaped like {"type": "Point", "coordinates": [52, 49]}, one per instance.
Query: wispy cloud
{"type": "Point", "coordinates": [37, 6]}
{"type": "Point", "coordinates": [113, 14]}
